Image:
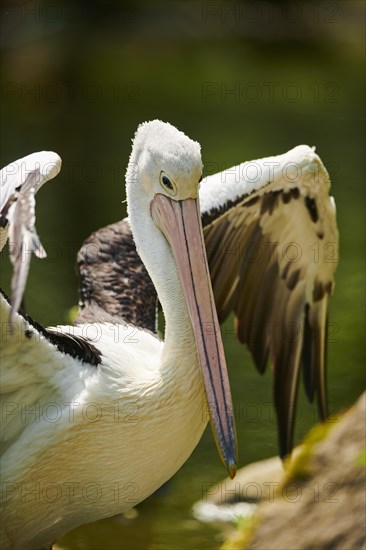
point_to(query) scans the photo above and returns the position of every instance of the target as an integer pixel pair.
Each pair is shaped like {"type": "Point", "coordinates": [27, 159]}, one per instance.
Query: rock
{"type": "Point", "coordinates": [321, 502]}
{"type": "Point", "coordinates": [234, 498]}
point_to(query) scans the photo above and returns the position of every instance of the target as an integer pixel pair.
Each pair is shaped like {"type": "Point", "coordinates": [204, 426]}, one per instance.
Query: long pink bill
{"type": "Point", "coordinates": [180, 222]}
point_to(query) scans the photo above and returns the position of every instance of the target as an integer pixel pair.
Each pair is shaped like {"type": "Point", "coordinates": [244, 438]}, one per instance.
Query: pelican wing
{"type": "Point", "coordinates": [272, 245]}
{"type": "Point", "coordinates": [37, 364]}
{"type": "Point", "coordinates": [19, 181]}
{"type": "Point", "coordinates": [114, 284]}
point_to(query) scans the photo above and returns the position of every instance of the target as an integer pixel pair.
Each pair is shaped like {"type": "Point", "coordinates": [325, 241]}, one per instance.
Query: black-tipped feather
{"type": "Point", "coordinates": [308, 357]}
{"type": "Point", "coordinates": [75, 346]}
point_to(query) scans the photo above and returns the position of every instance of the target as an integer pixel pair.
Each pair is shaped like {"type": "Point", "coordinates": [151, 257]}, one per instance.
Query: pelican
{"type": "Point", "coordinates": [99, 414]}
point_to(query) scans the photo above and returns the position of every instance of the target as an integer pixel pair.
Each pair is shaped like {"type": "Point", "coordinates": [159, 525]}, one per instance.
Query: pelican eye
{"type": "Point", "coordinates": [166, 181]}
{"type": "Point", "coordinates": [167, 184]}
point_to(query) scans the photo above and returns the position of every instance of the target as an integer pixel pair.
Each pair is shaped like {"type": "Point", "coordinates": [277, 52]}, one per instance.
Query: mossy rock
{"type": "Point", "coordinates": [326, 508]}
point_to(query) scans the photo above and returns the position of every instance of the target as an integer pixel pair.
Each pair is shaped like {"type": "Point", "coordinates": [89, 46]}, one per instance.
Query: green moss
{"type": "Point", "coordinates": [243, 535]}
{"type": "Point", "coordinates": [71, 314]}
{"type": "Point", "coordinates": [297, 468]}
{"type": "Point", "coordinates": [243, 522]}
{"type": "Point", "coordinates": [361, 458]}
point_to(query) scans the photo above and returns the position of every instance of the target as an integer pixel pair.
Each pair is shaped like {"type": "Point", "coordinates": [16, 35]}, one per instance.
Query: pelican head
{"type": "Point", "coordinates": [165, 168]}
{"type": "Point", "coordinates": [164, 160]}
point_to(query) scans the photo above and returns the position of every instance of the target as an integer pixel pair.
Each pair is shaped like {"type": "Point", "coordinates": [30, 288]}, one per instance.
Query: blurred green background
{"type": "Point", "coordinates": [246, 80]}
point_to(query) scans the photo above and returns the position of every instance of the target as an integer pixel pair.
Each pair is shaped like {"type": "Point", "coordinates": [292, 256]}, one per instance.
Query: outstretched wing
{"type": "Point", "coordinates": [272, 246]}
{"type": "Point", "coordinates": [19, 181]}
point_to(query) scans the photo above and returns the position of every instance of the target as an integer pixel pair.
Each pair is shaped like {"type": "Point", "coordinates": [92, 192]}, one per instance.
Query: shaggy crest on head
{"type": "Point", "coordinates": [161, 144]}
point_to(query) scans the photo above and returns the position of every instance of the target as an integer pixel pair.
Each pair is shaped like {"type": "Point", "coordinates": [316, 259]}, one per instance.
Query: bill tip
{"type": "Point", "coordinates": [232, 469]}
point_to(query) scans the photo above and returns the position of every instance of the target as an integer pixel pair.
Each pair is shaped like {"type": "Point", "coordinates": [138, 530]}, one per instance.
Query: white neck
{"type": "Point", "coordinates": [158, 259]}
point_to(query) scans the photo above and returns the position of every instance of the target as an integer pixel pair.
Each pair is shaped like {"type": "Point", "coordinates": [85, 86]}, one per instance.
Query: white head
{"type": "Point", "coordinates": [164, 160]}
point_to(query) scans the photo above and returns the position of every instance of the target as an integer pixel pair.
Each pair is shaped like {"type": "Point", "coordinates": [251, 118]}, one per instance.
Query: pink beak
{"type": "Point", "coordinates": [180, 222]}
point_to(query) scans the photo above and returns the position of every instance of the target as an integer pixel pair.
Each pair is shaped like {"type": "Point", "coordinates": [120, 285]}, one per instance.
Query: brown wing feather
{"type": "Point", "coordinates": [266, 263]}
{"type": "Point", "coordinates": [114, 284]}
{"type": "Point", "coordinates": [319, 324]}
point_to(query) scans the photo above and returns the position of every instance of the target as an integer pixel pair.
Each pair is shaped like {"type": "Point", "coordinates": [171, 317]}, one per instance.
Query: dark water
{"type": "Point", "coordinates": [79, 80]}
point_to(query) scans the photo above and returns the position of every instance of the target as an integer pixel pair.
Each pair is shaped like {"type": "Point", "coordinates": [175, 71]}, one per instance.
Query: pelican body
{"type": "Point", "coordinates": [96, 416]}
